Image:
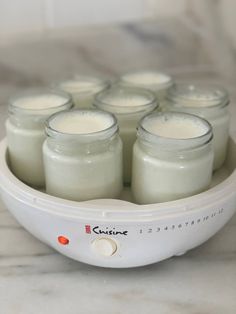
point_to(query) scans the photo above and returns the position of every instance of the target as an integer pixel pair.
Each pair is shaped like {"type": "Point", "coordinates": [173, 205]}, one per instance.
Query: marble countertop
{"type": "Point", "coordinates": [35, 279]}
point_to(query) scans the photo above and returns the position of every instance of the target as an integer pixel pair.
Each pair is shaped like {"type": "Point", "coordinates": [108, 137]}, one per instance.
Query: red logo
{"type": "Point", "coordinates": [88, 229]}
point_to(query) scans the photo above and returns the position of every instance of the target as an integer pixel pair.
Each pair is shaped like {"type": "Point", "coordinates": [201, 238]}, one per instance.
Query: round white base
{"type": "Point", "coordinates": [118, 233]}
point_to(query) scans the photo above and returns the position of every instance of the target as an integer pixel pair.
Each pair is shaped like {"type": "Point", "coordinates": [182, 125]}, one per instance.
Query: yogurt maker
{"type": "Point", "coordinates": [118, 233]}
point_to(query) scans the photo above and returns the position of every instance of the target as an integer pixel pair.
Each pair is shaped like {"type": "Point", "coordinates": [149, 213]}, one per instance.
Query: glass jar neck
{"type": "Point", "coordinates": [37, 120]}
{"type": "Point", "coordinates": [154, 81]}
{"type": "Point", "coordinates": [206, 112]}
{"type": "Point", "coordinates": [81, 129]}
{"type": "Point", "coordinates": [83, 85]}
{"type": "Point", "coordinates": [74, 146]}
{"type": "Point", "coordinates": [197, 98]}
{"type": "Point", "coordinates": [169, 142]}
{"type": "Point", "coordinates": [24, 110]}
{"type": "Point", "coordinates": [126, 101]}
{"type": "Point", "coordinates": [165, 154]}
{"type": "Point", "coordinates": [27, 121]}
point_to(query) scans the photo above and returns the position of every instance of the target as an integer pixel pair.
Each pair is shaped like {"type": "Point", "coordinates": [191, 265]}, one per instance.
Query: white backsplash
{"type": "Point", "coordinates": [40, 15]}
{"type": "Point", "coordinates": [207, 26]}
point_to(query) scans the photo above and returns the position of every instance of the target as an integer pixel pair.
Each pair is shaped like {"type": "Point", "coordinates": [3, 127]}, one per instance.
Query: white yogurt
{"type": "Point", "coordinates": [83, 89]}
{"type": "Point", "coordinates": [83, 155]}
{"type": "Point", "coordinates": [126, 102]}
{"type": "Point", "coordinates": [157, 82]}
{"type": "Point", "coordinates": [209, 102]}
{"type": "Point", "coordinates": [172, 157]}
{"type": "Point", "coordinates": [40, 102]}
{"type": "Point", "coordinates": [129, 105]}
{"type": "Point", "coordinates": [25, 132]}
{"type": "Point", "coordinates": [147, 78]}
{"type": "Point", "coordinates": [81, 123]}
{"type": "Point", "coordinates": [176, 128]}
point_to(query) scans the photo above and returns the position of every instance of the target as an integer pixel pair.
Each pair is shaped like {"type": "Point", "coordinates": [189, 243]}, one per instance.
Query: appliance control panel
{"type": "Point", "coordinates": [114, 244]}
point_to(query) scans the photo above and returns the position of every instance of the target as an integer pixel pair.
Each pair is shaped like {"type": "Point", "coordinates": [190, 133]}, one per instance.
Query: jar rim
{"type": "Point", "coordinates": [34, 92]}
{"type": "Point", "coordinates": [102, 104]}
{"type": "Point", "coordinates": [171, 143]}
{"type": "Point", "coordinates": [95, 80]}
{"type": "Point", "coordinates": [84, 137]}
{"type": "Point", "coordinates": [200, 95]}
{"type": "Point", "coordinates": [159, 86]}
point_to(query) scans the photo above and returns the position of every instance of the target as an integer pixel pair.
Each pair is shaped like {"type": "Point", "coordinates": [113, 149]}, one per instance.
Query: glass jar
{"type": "Point", "coordinates": [157, 82]}
{"type": "Point", "coordinates": [83, 155]}
{"type": "Point", "coordinates": [172, 157]}
{"type": "Point", "coordinates": [129, 105]}
{"type": "Point", "coordinates": [83, 89]}
{"type": "Point", "coordinates": [26, 132]}
{"type": "Point", "coordinates": [209, 102]}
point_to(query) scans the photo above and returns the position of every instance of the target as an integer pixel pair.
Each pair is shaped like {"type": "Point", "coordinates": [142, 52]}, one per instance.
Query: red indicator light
{"type": "Point", "coordinates": [63, 240]}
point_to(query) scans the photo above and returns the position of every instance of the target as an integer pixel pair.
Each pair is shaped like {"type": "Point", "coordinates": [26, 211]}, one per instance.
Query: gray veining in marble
{"type": "Point", "coordinates": [34, 279]}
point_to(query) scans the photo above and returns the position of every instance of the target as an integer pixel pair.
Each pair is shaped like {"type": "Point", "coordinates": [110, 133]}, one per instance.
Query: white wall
{"type": "Point", "coordinates": [30, 16]}
{"type": "Point", "coordinates": [17, 16]}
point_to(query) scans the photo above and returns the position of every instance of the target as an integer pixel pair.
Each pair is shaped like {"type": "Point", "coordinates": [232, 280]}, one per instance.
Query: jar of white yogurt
{"type": "Point", "coordinates": [26, 132]}
{"type": "Point", "coordinates": [156, 81]}
{"type": "Point", "coordinates": [209, 102]}
{"type": "Point", "coordinates": [83, 155]}
{"type": "Point", "coordinates": [83, 89]}
{"type": "Point", "coordinates": [172, 158]}
{"type": "Point", "coordinates": [129, 105]}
